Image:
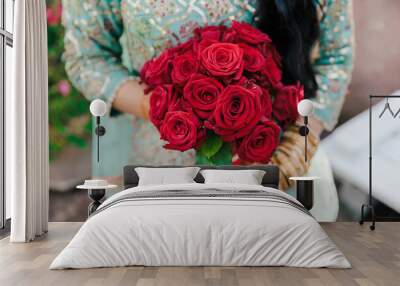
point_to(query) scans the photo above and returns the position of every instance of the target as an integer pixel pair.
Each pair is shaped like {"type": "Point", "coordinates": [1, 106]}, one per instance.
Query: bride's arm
{"type": "Point", "coordinates": [93, 56]}
{"type": "Point", "coordinates": [333, 62]}
{"type": "Point", "coordinates": [333, 68]}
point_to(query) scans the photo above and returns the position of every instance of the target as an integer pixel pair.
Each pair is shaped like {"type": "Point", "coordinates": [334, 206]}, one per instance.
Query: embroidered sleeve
{"type": "Point", "coordinates": [335, 61]}
{"type": "Point", "coordinates": [92, 49]}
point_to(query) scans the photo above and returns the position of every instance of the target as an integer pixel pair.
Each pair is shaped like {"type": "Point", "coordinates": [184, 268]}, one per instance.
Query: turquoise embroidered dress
{"type": "Point", "coordinates": [107, 42]}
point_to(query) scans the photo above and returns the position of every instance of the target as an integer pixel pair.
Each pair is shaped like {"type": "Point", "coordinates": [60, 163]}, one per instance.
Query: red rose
{"type": "Point", "coordinates": [183, 67]}
{"type": "Point", "coordinates": [228, 80]}
{"type": "Point", "coordinates": [253, 59]}
{"type": "Point", "coordinates": [182, 48]}
{"type": "Point", "coordinates": [202, 93]}
{"type": "Point", "coordinates": [237, 111]}
{"type": "Point", "coordinates": [284, 107]}
{"type": "Point", "coordinates": [157, 71]}
{"type": "Point", "coordinates": [272, 67]}
{"type": "Point", "coordinates": [268, 50]}
{"type": "Point", "coordinates": [223, 60]}
{"type": "Point", "coordinates": [229, 36]}
{"type": "Point", "coordinates": [249, 34]}
{"type": "Point", "coordinates": [161, 99]}
{"type": "Point", "coordinates": [181, 130]}
{"type": "Point", "coordinates": [180, 104]}
{"type": "Point", "coordinates": [260, 144]}
{"type": "Point", "coordinates": [210, 32]}
{"type": "Point", "coordinates": [203, 44]}
{"type": "Point", "coordinates": [267, 103]}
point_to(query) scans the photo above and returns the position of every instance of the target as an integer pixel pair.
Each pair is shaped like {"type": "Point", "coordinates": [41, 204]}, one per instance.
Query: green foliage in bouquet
{"type": "Point", "coordinates": [69, 120]}
{"type": "Point", "coordinates": [214, 151]}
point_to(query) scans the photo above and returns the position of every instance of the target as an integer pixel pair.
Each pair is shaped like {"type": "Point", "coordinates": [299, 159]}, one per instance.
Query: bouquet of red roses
{"type": "Point", "coordinates": [221, 93]}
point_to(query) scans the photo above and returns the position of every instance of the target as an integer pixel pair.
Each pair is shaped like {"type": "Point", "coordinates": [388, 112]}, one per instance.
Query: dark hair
{"type": "Point", "coordinates": [293, 26]}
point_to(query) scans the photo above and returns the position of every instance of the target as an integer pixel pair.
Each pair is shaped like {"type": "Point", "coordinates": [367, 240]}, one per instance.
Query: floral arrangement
{"type": "Point", "coordinates": [69, 122]}
{"type": "Point", "coordinates": [221, 92]}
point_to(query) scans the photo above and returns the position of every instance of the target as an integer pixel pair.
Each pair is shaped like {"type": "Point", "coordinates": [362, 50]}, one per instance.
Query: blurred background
{"type": "Point", "coordinates": [377, 71]}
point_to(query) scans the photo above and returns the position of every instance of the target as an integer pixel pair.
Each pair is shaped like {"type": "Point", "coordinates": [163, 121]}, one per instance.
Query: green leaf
{"type": "Point", "coordinates": [223, 156]}
{"type": "Point", "coordinates": [202, 160]}
{"type": "Point", "coordinates": [211, 145]}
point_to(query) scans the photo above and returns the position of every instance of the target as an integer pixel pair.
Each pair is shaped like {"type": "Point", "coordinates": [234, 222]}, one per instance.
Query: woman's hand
{"type": "Point", "coordinates": [314, 125]}
{"type": "Point", "coordinates": [289, 156]}
{"type": "Point", "coordinates": [130, 98]}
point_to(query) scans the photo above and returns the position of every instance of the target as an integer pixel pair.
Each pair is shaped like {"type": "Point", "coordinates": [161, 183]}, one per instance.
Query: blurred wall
{"type": "Point", "coordinates": [377, 56]}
